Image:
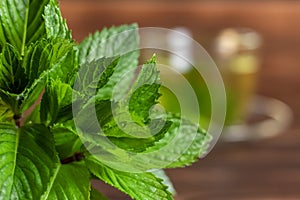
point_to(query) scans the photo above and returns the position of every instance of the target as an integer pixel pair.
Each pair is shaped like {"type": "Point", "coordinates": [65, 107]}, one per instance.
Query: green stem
{"type": "Point", "coordinates": [74, 158]}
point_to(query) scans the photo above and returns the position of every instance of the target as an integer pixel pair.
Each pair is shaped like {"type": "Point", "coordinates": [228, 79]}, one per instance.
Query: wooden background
{"type": "Point", "coordinates": [261, 170]}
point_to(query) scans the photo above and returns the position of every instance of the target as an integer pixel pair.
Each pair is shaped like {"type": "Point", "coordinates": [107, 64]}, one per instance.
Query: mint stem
{"type": "Point", "coordinates": [76, 157]}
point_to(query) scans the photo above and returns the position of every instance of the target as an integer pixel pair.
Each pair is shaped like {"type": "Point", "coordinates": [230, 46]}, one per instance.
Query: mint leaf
{"type": "Point", "coordinates": [6, 115]}
{"type": "Point", "coordinates": [135, 121]}
{"type": "Point", "coordinates": [120, 42]}
{"type": "Point", "coordinates": [112, 42]}
{"type": "Point", "coordinates": [27, 161]}
{"type": "Point", "coordinates": [21, 22]}
{"type": "Point", "coordinates": [44, 55]}
{"type": "Point", "coordinates": [86, 118]}
{"type": "Point", "coordinates": [129, 129]}
{"type": "Point", "coordinates": [10, 100]}
{"type": "Point", "coordinates": [56, 26]}
{"type": "Point", "coordinates": [53, 59]}
{"type": "Point", "coordinates": [118, 129]}
{"type": "Point", "coordinates": [25, 74]}
{"type": "Point", "coordinates": [144, 92]}
{"type": "Point", "coordinates": [67, 142]}
{"type": "Point", "coordinates": [70, 181]}
{"type": "Point", "coordinates": [139, 186]}
{"type": "Point", "coordinates": [141, 144]}
{"type": "Point", "coordinates": [183, 144]}
{"type": "Point", "coordinates": [22, 80]}
{"type": "Point", "coordinates": [94, 75]}
{"type": "Point", "coordinates": [12, 75]}
{"type": "Point", "coordinates": [56, 111]}
{"type": "Point", "coordinates": [57, 96]}
{"type": "Point", "coordinates": [166, 180]}
{"type": "Point", "coordinates": [142, 100]}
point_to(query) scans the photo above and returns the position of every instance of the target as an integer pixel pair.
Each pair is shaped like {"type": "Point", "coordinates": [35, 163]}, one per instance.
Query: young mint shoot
{"type": "Point", "coordinates": [50, 89]}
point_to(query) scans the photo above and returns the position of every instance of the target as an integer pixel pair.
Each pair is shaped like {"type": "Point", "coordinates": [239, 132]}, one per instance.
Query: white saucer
{"type": "Point", "coordinates": [272, 118]}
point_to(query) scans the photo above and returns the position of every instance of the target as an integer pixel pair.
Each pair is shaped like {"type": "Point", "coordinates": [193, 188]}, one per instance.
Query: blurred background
{"type": "Point", "coordinates": [252, 169]}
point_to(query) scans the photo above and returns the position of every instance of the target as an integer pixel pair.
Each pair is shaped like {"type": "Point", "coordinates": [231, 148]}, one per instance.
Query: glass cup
{"type": "Point", "coordinates": [237, 54]}
{"type": "Point", "coordinates": [249, 116]}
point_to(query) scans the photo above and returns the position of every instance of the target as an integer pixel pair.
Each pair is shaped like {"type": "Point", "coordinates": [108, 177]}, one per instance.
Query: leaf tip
{"type": "Point", "coordinates": [152, 59]}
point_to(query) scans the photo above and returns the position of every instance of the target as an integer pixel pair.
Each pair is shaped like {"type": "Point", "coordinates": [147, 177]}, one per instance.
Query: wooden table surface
{"type": "Point", "coordinates": [261, 170]}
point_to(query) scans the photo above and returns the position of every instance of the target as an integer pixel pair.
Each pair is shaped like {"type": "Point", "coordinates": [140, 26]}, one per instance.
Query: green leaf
{"type": "Point", "coordinates": [96, 195]}
{"type": "Point", "coordinates": [142, 100]}
{"type": "Point", "coordinates": [138, 144]}
{"type": "Point", "coordinates": [44, 55]}
{"type": "Point", "coordinates": [139, 186]}
{"type": "Point", "coordinates": [70, 181]}
{"type": "Point", "coordinates": [142, 132]}
{"type": "Point", "coordinates": [67, 68]}
{"type": "Point", "coordinates": [129, 129]}
{"type": "Point", "coordinates": [85, 115]}
{"type": "Point", "coordinates": [12, 78]}
{"type": "Point", "coordinates": [6, 114]}
{"type": "Point", "coordinates": [57, 96]}
{"type": "Point", "coordinates": [47, 59]}
{"type": "Point", "coordinates": [120, 42]}
{"type": "Point", "coordinates": [12, 75]}
{"type": "Point", "coordinates": [28, 160]}
{"type": "Point", "coordinates": [37, 59]}
{"type": "Point", "coordinates": [144, 92]}
{"type": "Point", "coordinates": [10, 100]}
{"type": "Point", "coordinates": [56, 111]}
{"type": "Point", "coordinates": [21, 22]}
{"type": "Point", "coordinates": [56, 26]}
{"type": "Point", "coordinates": [31, 95]}
{"type": "Point", "coordinates": [93, 76]}
{"type": "Point", "coordinates": [122, 132]}
{"type": "Point", "coordinates": [111, 42]}
{"type": "Point", "coordinates": [66, 139]}
{"type": "Point", "coordinates": [184, 143]}
{"type": "Point", "coordinates": [22, 81]}
{"type": "Point", "coordinates": [166, 180]}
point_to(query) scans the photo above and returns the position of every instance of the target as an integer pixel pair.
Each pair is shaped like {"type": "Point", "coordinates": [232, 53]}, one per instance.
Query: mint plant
{"type": "Point", "coordinates": [73, 112]}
